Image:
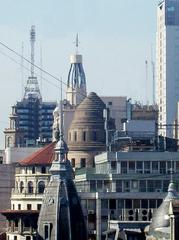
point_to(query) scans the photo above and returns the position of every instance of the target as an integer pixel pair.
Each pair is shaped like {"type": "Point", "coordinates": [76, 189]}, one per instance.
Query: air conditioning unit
{"type": "Point", "coordinates": [129, 215]}
{"type": "Point", "coordinates": [145, 214]}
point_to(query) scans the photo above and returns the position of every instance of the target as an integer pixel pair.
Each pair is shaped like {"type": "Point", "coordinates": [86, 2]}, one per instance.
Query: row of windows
{"type": "Point", "coordinates": [30, 187]}
{"type": "Point", "coordinates": [86, 136]}
{"type": "Point", "coordinates": [82, 162]}
{"type": "Point", "coordinates": [29, 207]}
{"type": "Point", "coordinates": [123, 186]}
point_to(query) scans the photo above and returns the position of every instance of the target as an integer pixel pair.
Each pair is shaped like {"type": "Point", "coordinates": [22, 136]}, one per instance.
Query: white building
{"type": "Point", "coordinates": [167, 64]}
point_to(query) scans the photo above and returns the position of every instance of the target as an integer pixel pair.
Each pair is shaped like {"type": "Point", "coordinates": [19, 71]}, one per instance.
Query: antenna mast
{"type": "Point", "coordinates": [32, 40]}
{"type": "Point", "coordinates": [153, 75]}
{"type": "Point", "coordinates": [77, 43]}
{"type": "Point", "coordinates": [146, 78]}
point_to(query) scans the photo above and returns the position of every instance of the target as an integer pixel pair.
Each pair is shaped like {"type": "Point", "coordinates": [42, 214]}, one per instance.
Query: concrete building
{"type": "Point", "coordinates": [126, 187]}
{"type": "Point", "coordinates": [167, 65]}
{"type": "Point", "coordinates": [118, 108]}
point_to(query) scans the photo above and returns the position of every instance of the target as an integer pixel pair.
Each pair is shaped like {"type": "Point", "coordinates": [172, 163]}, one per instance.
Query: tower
{"type": "Point", "coordinates": [32, 88]}
{"type": "Point", "coordinates": [76, 84]}
{"type": "Point", "coordinates": [61, 216]}
{"type": "Point", "coordinates": [167, 64]}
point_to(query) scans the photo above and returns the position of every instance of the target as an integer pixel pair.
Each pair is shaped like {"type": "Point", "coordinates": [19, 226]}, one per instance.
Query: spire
{"type": "Point", "coordinates": [32, 87]}
{"type": "Point", "coordinates": [76, 84]}
{"type": "Point", "coordinates": [77, 43]}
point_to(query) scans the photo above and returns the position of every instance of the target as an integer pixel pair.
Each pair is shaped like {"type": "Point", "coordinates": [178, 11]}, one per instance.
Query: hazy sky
{"type": "Point", "coordinates": [115, 40]}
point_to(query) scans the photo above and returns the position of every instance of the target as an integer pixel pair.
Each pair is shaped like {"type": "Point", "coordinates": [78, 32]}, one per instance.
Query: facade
{"type": "Point", "coordinates": [167, 65]}
{"type": "Point", "coordinates": [86, 135]}
{"type": "Point", "coordinates": [144, 112]}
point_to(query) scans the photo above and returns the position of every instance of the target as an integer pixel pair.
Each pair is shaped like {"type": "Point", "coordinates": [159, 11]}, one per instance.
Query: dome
{"type": "Point", "coordinates": [87, 127]}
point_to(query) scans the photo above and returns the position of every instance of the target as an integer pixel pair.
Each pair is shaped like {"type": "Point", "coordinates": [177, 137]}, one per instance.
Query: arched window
{"type": "Point", "coordinates": [21, 187]}
{"type": "Point", "coordinates": [43, 170]}
{"type": "Point", "coordinates": [30, 187]}
{"type": "Point", "coordinates": [41, 187]}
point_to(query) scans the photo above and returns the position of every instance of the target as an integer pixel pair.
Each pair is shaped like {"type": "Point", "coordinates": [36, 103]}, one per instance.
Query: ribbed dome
{"type": "Point", "coordinates": [86, 131]}
{"type": "Point", "coordinates": [91, 102]}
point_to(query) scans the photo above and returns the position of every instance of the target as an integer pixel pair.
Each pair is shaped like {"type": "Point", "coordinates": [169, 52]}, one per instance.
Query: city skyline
{"type": "Point", "coordinates": [114, 49]}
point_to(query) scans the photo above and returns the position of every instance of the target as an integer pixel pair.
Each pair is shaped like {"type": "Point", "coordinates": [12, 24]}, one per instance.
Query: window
{"type": "Point", "coordinates": [118, 186]}
{"type": "Point", "coordinates": [94, 136]}
{"type": "Point", "coordinates": [84, 136]}
{"type": "Point", "coordinates": [28, 237]}
{"type": "Point", "coordinates": [73, 162]}
{"type": "Point", "coordinates": [139, 167]}
{"type": "Point", "coordinates": [19, 206]}
{"type": "Point", "coordinates": [131, 167]}
{"type": "Point", "coordinates": [15, 237]}
{"type": "Point", "coordinates": [154, 167]}
{"type": "Point", "coordinates": [41, 187]}
{"type": "Point", "coordinates": [126, 185]}
{"type": "Point", "coordinates": [21, 187]}
{"type": "Point", "coordinates": [113, 165]}
{"type": "Point", "coordinates": [83, 162]}
{"type": "Point", "coordinates": [142, 185]}
{"type": "Point", "coordinates": [120, 203]}
{"type": "Point", "coordinates": [144, 203]}
{"type": "Point", "coordinates": [123, 167]}
{"type": "Point", "coordinates": [104, 204]}
{"type": "Point", "coordinates": [33, 170]}
{"type": "Point", "coordinates": [128, 203]}
{"type": "Point", "coordinates": [92, 186]}
{"type": "Point", "coordinates": [29, 207]}
{"type": "Point", "coordinates": [30, 187]}
{"type": "Point", "coordinates": [39, 206]}
{"type": "Point", "coordinates": [99, 185]}
{"type": "Point", "coordinates": [43, 169]}
{"type": "Point", "coordinates": [110, 103]}
{"type": "Point", "coordinates": [112, 203]}
{"type": "Point", "coordinates": [147, 167]}
{"type": "Point", "coordinates": [75, 136]}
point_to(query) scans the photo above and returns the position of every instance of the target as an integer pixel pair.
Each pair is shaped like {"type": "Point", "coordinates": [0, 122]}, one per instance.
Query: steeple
{"type": "Point", "coordinates": [61, 216]}
{"type": "Point", "coordinates": [76, 84]}
{"type": "Point", "coordinates": [32, 88]}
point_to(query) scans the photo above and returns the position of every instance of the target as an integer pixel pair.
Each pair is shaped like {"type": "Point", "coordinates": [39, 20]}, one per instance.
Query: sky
{"type": "Point", "coordinates": [116, 38]}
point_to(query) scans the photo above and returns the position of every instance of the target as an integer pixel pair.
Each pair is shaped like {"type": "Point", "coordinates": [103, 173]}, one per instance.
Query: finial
{"type": "Point", "coordinates": [171, 171]}
{"type": "Point", "coordinates": [77, 43]}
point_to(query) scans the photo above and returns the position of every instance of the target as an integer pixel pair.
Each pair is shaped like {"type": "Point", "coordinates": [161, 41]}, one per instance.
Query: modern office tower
{"type": "Point", "coordinates": [31, 119]}
{"type": "Point", "coordinates": [167, 61]}
{"type": "Point", "coordinates": [76, 85]}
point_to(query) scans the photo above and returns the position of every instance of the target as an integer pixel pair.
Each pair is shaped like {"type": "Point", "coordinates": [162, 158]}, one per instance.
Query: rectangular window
{"type": "Point", "coordinates": [118, 186]}
{"type": "Point", "coordinates": [39, 207]}
{"type": "Point", "coordinates": [92, 186]}
{"type": "Point", "coordinates": [139, 167]}
{"type": "Point", "coordinates": [19, 206]}
{"type": "Point", "coordinates": [83, 162]}
{"type": "Point", "coordinates": [84, 136]}
{"type": "Point", "coordinates": [154, 167]}
{"type": "Point", "coordinates": [147, 167]}
{"type": "Point", "coordinates": [131, 167]}
{"type": "Point", "coordinates": [29, 207]}
{"type": "Point", "coordinates": [126, 185]}
{"type": "Point", "coordinates": [104, 204]}
{"type": "Point", "coordinates": [123, 167]}
{"type": "Point", "coordinates": [113, 165]}
{"type": "Point", "coordinates": [73, 162]}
